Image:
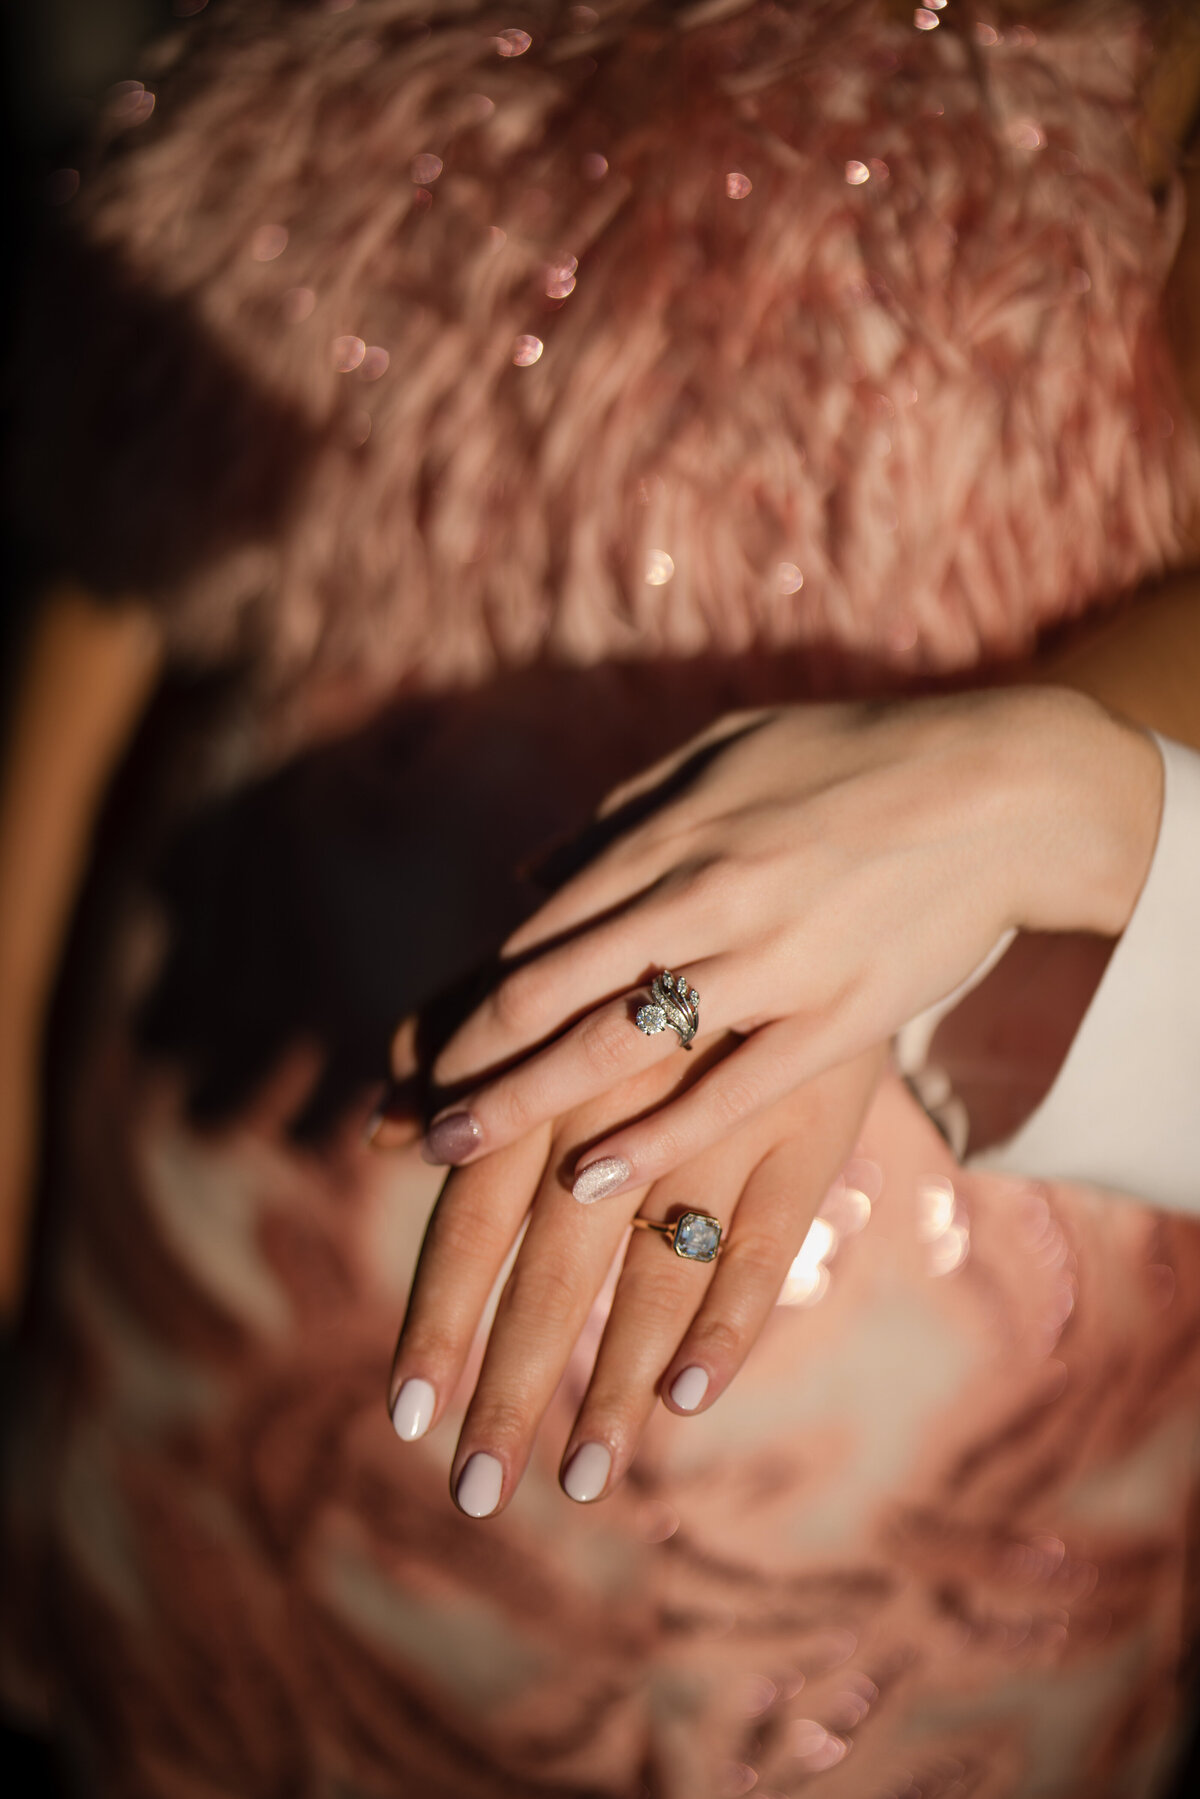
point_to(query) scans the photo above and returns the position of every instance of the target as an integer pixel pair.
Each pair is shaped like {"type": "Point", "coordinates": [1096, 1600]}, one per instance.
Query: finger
{"type": "Point", "coordinates": [471, 1231]}
{"type": "Point", "coordinates": [773, 1218]}
{"type": "Point", "coordinates": [607, 872]}
{"type": "Point", "coordinates": [657, 1296]}
{"type": "Point", "coordinates": [539, 997]}
{"type": "Point", "coordinates": [722, 731]}
{"type": "Point", "coordinates": [776, 1060]}
{"type": "Point", "coordinates": [560, 1268]}
{"type": "Point", "coordinates": [766, 1208]}
{"type": "Point", "coordinates": [604, 1049]}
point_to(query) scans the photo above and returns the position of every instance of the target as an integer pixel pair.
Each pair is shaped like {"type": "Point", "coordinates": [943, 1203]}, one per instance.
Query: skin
{"type": "Point", "coordinates": [831, 872]}
{"type": "Point", "coordinates": [89, 670]}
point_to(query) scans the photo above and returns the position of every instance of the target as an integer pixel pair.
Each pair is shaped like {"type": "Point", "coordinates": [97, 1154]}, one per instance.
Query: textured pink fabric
{"type": "Point", "coordinates": [939, 394]}
{"type": "Point", "coordinates": [937, 1539]}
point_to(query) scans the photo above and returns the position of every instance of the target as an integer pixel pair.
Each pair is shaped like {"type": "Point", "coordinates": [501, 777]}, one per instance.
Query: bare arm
{"type": "Point", "coordinates": [88, 673]}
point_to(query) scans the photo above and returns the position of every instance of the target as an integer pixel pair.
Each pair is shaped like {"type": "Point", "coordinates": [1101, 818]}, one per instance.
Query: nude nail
{"type": "Point", "coordinates": [452, 1139]}
{"type": "Point", "coordinates": [689, 1388]}
{"type": "Point", "coordinates": [586, 1472]}
{"type": "Point", "coordinates": [479, 1484]}
{"type": "Point", "coordinates": [601, 1178]}
{"type": "Point", "coordinates": [413, 1410]}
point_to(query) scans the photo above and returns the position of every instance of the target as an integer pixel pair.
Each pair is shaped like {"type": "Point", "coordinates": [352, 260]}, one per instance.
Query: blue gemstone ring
{"type": "Point", "coordinates": [694, 1236]}
{"type": "Point", "coordinates": [673, 1006]}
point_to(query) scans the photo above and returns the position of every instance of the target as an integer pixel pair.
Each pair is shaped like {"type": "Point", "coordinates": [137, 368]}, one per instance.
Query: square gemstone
{"type": "Point", "coordinates": [697, 1237]}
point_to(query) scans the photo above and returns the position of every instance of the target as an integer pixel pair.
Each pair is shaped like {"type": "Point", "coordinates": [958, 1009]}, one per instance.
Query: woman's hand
{"type": "Point", "coordinates": [677, 1328]}
{"type": "Point", "coordinates": [828, 873]}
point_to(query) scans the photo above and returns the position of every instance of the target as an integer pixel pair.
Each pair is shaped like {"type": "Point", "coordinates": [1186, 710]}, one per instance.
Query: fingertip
{"type": "Point", "coordinates": [479, 1485]}
{"type": "Point", "coordinates": [689, 1389]}
{"type": "Point", "coordinates": [601, 1179]}
{"type": "Point", "coordinates": [452, 1140]}
{"type": "Point", "coordinates": [586, 1472]}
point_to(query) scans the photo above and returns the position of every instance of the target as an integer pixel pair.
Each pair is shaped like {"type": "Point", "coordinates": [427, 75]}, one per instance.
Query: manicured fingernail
{"type": "Point", "coordinates": [452, 1139]}
{"type": "Point", "coordinates": [479, 1484]}
{"type": "Point", "coordinates": [586, 1472]}
{"type": "Point", "coordinates": [413, 1410]}
{"type": "Point", "coordinates": [601, 1178]}
{"type": "Point", "coordinates": [689, 1388]}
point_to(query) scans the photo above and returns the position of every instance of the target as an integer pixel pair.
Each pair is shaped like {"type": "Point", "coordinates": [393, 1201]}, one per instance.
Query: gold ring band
{"type": "Point", "coordinates": [694, 1236]}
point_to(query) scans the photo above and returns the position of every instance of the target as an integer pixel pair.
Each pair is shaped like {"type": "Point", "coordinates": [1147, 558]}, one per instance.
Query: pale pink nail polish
{"type": "Point", "coordinates": [452, 1139]}
{"type": "Point", "coordinates": [413, 1410]}
{"type": "Point", "coordinates": [587, 1471]}
{"type": "Point", "coordinates": [479, 1484]}
{"type": "Point", "coordinates": [601, 1178]}
{"type": "Point", "coordinates": [689, 1388]}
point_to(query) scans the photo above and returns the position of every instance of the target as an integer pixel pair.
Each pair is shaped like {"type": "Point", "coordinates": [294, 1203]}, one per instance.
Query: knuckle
{"type": "Point", "coordinates": [516, 1002]}
{"type": "Point", "coordinates": [431, 1345]}
{"type": "Point", "coordinates": [500, 1421]}
{"type": "Point", "coordinates": [514, 1107]}
{"type": "Point", "coordinates": [760, 1264]}
{"type": "Point", "coordinates": [605, 1040]}
{"type": "Point", "coordinates": [546, 1297]}
{"type": "Point", "coordinates": [721, 1340]}
{"type": "Point", "coordinates": [464, 1234]}
{"type": "Point", "coordinates": [733, 1099]}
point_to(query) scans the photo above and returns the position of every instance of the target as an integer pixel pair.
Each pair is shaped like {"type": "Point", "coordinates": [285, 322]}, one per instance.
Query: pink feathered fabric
{"type": "Point", "coordinates": [817, 295]}
{"type": "Point", "coordinates": [849, 301]}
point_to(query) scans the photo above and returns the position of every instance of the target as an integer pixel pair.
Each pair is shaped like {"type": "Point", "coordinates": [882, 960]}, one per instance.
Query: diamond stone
{"type": "Point", "coordinates": [697, 1237]}
{"type": "Point", "coordinates": [694, 997]}
{"type": "Point", "coordinates": [651, 1019]}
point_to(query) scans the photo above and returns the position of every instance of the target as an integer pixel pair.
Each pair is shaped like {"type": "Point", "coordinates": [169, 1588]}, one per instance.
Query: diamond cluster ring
{"type": "Point", "coordinates": [694, 1236]}
{"type": "Point", "coordinates": [673, 1006]}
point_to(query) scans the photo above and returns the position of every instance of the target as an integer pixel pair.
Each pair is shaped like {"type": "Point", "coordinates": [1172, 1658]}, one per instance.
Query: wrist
{"type": "Point", "coordinates": [1085, 792]}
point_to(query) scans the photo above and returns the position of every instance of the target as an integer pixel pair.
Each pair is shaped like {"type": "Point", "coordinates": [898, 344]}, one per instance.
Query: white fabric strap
{"type": "Point", "coordinates": [1124, 1111]}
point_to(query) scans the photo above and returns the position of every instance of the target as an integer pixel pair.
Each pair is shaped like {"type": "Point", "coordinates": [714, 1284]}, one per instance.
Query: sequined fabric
{"type": "Point", "coordinates": [937, 1540]}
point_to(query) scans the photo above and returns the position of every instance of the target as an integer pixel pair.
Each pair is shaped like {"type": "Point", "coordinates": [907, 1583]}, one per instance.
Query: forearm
{"type": "Point", "coordinates": [1143, 662]}
{"type": "Point", "coordinates": [87, 674]}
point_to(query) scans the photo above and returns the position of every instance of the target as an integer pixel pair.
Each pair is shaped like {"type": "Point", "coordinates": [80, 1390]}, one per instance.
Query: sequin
{"type": "Point", "coordinates": [656, 1521]}
{"type": "Point", "coordinates": [788, 578]}
{"type": "Point", "coordinates": [298, 304]}
{"type": "Point", "coordinates": [1025, 135]}
{"type": "Point", "coordinates": [358, 428]}
{"type": "Point", "coordinates": [583, 18]}
{"type": "Point", "coordinates": [936, 1208]}
{"type": "Point", "coordinates": [425, 168]}
{"type": "Point", "coordinates": [347, 353]}
{"type": "Point", "coordinates": [595, 166]}
{"type": "Point", "coordinates": [814, 1746]}
{"type": "Point", "coordinates": [737, 185]}
{"type": "Point", "coordinates": [925, 20]}
{"type": "Point", "coordinates": [268, 242]}
{"type": "Point", "coordinates": [526, 351]}
{"type": "Point", "coordinates": [560, 278]}
{"type": "Point", "coordinates": [987, 35]}
{"type": "Point", "coordinates": [659, 568]}
{"type": "Point", "coordinates": [375, 362]}
{"type": "Point", "coordinates": [130, 103]}
{"type": "Point", "coordinates": [757, 1695]}
{"type": "Point", "coordinates": [511, 43]}
{"type": "Point", "coordinates": [857, 173]}
{"type": "Point", "coordinates": [422, 199]}
{"type": "Point", "coordinates": [950, 1251]}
